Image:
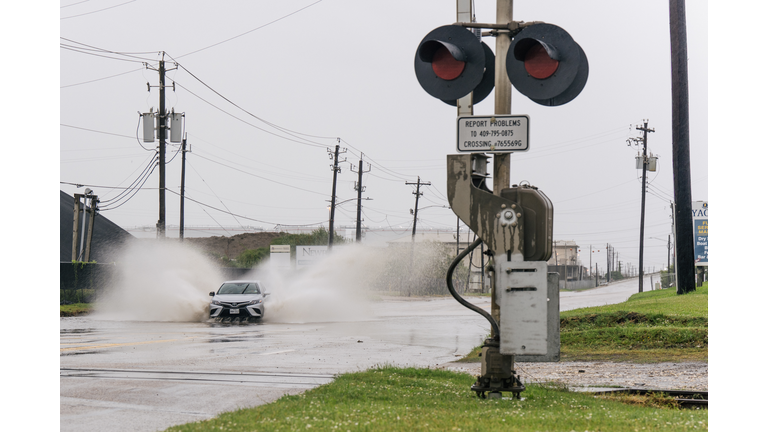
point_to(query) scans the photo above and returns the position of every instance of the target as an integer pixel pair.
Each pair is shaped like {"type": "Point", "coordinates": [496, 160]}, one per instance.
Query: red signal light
{"type": "Point", "coordinates": [538, 64]}
{"type": "Point", "coordinates": [445, 66]}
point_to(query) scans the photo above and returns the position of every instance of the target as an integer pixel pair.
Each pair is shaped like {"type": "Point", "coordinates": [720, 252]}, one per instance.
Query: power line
{"type": "Point", "coordinates": [214, 193]}
{"type": "Point", "coordinates": [135, 191]}
{"type": "Point", "coordinates": [250, 31]}
{"type": "Point", "coordinates": [100, 79]}
{"type": "Point", "coordinates": [100, 10]}
{"type": "Point", "coordinates": [143, 176]}
{"type": "Point", "coordinates": [81, 51]}
{"type": "Point", "coordinates": [263, 178]}
{"type": "Point", "coordinates": [241, 216]}
{"type": "Point", "coordinates": [93, 130]}
{"type": "Point", "coordinates": [95, 48]}
{"type": "Point", "coordinates": [311, 144]}
{"type": "Point", "coordinates": [282, 129]}
{"type": "Point", "coordinates": [66, 6]}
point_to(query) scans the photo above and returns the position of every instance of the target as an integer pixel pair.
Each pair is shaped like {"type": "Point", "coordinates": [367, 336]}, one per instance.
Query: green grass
{"type": "Point", "coordinates": [75, 309]}
{"type": "Point", "coordinates": [664, 301]}
{"type": "Point", "coordinates": [653, 326]}
{"type": "Point", "coordinates": [394, 399]}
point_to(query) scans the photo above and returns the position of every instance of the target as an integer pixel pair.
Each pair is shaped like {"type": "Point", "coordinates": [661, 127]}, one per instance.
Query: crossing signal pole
{"type": "Point", "coordinates": [545, 64]}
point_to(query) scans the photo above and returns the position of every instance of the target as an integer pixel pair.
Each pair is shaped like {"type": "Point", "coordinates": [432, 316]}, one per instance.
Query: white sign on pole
{"type": "Point", "coordinates": [492, 134]}
{"type": "Point", "coordinates": [280, 256]}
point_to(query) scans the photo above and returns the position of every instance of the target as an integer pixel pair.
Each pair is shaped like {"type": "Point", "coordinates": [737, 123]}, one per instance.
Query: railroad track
{"type": "Point", "coordinates": [297, 380]}
{"type": "Point", "coordinates": [685, 398]}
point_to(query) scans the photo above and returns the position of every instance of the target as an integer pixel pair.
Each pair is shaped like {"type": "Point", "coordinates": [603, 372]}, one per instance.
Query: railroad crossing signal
{"type": "Point", "coordinates": [543, 63]}
{"type": "Point", "coordinates": [451, 62]}
{"type": "Point", "coordinates": [547, 65]}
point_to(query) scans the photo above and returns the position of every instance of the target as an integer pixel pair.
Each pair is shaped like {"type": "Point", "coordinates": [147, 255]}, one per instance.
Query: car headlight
{"type": "Point", "coordinates": [216, 302]}
{"type": "Point", "coordinates": [255, 302]}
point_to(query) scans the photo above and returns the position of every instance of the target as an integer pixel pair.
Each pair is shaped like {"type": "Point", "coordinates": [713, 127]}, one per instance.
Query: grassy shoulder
{"type": "Point", "coordinates": [654, 326]}
{"type": "Point", "coordinates": [75, 309]}
{"type": "Point", "coordinates": [396, 399]}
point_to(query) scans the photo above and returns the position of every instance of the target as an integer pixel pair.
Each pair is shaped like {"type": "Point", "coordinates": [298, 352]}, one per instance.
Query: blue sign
{"type": "Point", "coordinates": [701, 233]}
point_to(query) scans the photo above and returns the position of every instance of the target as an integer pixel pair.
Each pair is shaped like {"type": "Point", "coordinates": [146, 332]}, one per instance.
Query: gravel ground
{"type": "Point", "coordinates": [663, 376]}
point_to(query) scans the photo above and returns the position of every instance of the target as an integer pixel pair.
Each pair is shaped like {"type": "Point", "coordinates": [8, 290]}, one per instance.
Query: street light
{"type": "Point", "coordinates": [330, 240]}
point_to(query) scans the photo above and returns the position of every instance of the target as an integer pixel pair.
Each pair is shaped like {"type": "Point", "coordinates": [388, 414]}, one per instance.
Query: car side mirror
{"type": "Point", "coordinates": [211, 293]}
{"type": "Point", "coordinates": [266, 294]}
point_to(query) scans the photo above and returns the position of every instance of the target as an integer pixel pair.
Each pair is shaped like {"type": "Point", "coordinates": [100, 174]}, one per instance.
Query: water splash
{"type": "Point", "coordinates": [159, 281]}
{"type": "Point", "coordinates": [335, 288]}
{"type": "Point", "coordinates": [169, 281]}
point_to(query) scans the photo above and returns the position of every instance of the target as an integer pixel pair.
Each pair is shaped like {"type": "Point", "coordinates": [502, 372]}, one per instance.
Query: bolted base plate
{"type": "Point", "coordinates": [496, 373]}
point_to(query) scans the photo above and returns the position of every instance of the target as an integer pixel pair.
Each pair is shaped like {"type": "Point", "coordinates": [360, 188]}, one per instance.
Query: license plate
{"type": "Point", "coordinates": [234, 311]}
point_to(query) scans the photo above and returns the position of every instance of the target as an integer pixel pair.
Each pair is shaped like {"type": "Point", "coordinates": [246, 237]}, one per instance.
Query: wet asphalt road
{"type": "Point", "coordinates": [147, 376]}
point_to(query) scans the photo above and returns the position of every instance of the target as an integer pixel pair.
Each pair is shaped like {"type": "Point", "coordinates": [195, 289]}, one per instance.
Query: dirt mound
{"type": "Point", "coordinates": [233, 246]}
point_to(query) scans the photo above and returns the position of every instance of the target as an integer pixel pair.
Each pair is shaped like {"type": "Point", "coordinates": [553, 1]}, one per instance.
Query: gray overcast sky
{"type": "Point", "coordinates": [308, 72]}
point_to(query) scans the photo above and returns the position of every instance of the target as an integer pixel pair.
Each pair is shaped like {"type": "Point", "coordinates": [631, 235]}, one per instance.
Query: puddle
{"type": "Point", "coordinates": [224, 323]}
{"type": "Point", "coordinates": [73, 353]}
{"type": "Point", "coordinates": [78, 331]}
{"type": "Point", "coordinates": [237, 338]}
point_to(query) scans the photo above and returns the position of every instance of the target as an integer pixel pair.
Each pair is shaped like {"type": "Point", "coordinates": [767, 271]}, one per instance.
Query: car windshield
{"type": "Point", "coordinates": [240, 288]}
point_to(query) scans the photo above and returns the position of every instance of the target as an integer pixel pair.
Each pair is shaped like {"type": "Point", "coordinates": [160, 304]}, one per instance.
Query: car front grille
{"type": "Point", "coordinates": [234, 305]}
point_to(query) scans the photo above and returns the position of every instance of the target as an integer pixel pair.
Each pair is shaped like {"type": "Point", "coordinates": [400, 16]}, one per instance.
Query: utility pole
{"type": "Point", "coordinates": [78, 232]}
{"type": "Point", "coordinates": [91, 221]}
{"type": "Point", "coordinates": [642, 200]}
{"type": "Point", "coordinates": [359, 188]}
{"type": "Point", "coordinates": [608, 262]}
{"type": "Point", "coordinates": [76, 226]}
{"type": "Point", "coordinates": [681, 159]}
{"type": "Point", "coordinates": [161, 135]}
{"type": "Point", "coordinates": [336, 169]}
{"type": "Point", "coordinates": [162, 126]}
{"type": "Point", "coordinates": [181, 201]}
{"type": "Point", "coordinates": [416, 208]}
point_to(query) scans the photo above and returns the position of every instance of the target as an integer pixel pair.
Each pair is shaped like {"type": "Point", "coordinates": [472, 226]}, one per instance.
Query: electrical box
{"type": "Point", "coordinates": [652, 163]}
{"type": "Point", "coordinates": [522, 294]}
{"type": "Point", "coordinates": [149, 127]}
{"type": "Point", "coordinates": [538, 211]}
{"type": "Point", "coordinates": [176, 127]}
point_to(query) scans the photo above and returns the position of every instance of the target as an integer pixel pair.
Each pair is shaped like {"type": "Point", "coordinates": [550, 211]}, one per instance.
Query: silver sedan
{"type": "Point", "coordinates": [242, 299]}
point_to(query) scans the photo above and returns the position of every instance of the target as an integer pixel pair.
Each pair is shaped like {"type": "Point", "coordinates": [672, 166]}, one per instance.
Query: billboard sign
{"type": "Point", "coordinates": [701, 232]}
{"type": "Point", "coordinates": [309, 255]}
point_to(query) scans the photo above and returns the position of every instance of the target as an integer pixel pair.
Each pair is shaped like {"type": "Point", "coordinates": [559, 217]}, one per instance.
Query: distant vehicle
{"type": "Point", "coordinates": [243, 299]}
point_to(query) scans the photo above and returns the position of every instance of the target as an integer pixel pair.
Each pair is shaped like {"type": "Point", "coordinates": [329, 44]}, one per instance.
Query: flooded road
{"type": "Point", "coordinates": [147, 376]}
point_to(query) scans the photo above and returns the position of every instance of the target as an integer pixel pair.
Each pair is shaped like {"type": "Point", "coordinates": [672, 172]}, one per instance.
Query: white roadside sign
{"type": "Point", "coordinates": [492, 134]}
